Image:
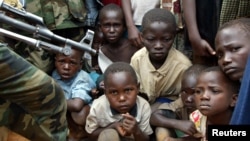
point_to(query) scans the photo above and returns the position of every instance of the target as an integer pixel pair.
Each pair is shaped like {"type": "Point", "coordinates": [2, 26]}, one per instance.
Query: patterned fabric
{"type": "Point", "coordinates": [58, 14]}
{"type": "Point", "coordinates": [175, 6]}
{"type": "Point", "coordinates": [31, 102]}
{"type": "Point", "coordinates": [40, 58]}
{"type": "Point", "coordinates": [232, 9]}
{"type": "Point", "coordinates": [200, 123]}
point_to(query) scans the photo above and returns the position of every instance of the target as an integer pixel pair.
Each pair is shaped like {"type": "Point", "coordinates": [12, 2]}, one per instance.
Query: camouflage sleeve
{"type": "Point", "coordinates": [30, 98]}
{"type": "Point", "coordinates": [59, 14]}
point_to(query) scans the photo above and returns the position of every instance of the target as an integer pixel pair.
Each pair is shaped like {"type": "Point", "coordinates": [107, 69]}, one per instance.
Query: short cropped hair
{"type": "Point", "coordinates": [110, 7]}
{"type": "Point", "coordinates": [233, 85]}
{"type": "Point", "coordinates": [194, 70]}
{"type": "Point", "coordinates": [242, 23]}
{"type": "Point", "coordinates": [158, 14]}
{"type": "Point", "coordinates": [120, 67]}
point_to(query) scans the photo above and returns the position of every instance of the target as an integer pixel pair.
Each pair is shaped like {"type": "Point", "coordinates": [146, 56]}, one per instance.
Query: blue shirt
{"type": "Point", "coordinates": [77, 87]}
{"type": "Point", "coordinates": [241, 114]}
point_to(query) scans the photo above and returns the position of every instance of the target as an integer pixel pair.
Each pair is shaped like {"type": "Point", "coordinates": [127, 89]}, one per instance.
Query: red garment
{"type": "Point", "coordinates": [105, 2]}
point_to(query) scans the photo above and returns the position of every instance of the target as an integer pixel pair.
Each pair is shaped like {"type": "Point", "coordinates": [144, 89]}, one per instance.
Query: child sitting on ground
{"type": "Point", "coordinates": [171, 121]}
{"type": "Point", "coordinates": [119, 114]}
{"type": "Point", "coordinates": [158, 65]}
{"type": "Point", "coordinates": [215, 98]}
{"type": "Point", "coordinates": [77, 85]}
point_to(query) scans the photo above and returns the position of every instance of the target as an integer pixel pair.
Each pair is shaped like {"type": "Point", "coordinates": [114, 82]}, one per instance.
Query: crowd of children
{"type": "Point", "coordinates": [140, 86]}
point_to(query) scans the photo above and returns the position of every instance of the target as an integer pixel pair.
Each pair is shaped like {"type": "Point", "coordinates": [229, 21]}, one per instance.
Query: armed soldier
{"type": "Point", "coordinates": [31, 103]}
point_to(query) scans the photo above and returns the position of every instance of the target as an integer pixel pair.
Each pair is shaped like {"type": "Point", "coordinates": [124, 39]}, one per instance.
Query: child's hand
{"type": "Point", "coordinates": [129, 124]}
{"type": "Point", "coordinates": [94, 93]}
{"type": "Point", "coordinates": [188, 127]}
{"type": "Point", "coordinates": [121, 131]}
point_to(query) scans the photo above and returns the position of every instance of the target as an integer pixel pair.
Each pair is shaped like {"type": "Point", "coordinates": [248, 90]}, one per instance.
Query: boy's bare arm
{"type": "Point", "coordinates": [133, 32]}
{"type": "Point", "coordinates": [199, 45]}
{"type": "Point", "coordinates": [157, 119]}
{"type": "Point", "coordinates": [126, 7]}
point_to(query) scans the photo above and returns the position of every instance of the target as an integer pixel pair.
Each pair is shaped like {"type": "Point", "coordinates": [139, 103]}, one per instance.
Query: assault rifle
{"type": "Point", "coordinates": [41, 31]}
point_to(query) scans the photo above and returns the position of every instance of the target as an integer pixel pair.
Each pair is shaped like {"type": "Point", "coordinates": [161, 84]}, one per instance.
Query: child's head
{"type": "Point", "coordinates": [112, 23]}
{"type": "Point", "coordinates": [99, 90]}
{"type": "Point", "coordinates": [232, 44]}
{"type": "Point", "coordinates": [215, 93]}
{"type": "Point", "coordinates": [121, 86]}
{"type": "Point", "coordinates": [68, 66]}
{"type": "Point", "coordinates": [188, 84]}
{"type": "Point", "coordinates": [158, 33]}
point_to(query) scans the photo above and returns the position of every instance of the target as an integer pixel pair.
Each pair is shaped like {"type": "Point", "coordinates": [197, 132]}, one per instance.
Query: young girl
{"type": "Point", "coordinates": [215, 98]}
{"type": "Point", "coordinates": [233, 48]}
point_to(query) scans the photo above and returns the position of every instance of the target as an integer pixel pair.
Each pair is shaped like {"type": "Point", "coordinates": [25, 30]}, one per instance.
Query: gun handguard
{"type": "Point", "coordinates": [43, 32]}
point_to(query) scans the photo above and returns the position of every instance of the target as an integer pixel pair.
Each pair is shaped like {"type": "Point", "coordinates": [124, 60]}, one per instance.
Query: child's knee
{"type": "Point", "coordinates": [161, 133]}
{"type": "Point", "coordinates": [80, 117]}
{"type": "Point", "coordinates": [109, 135]}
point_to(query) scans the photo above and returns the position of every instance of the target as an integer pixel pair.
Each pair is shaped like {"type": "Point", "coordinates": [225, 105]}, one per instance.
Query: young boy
{"type": "Point", "coordinates": [116, 47]}
{"type": "Point", "coordinates": [77, 85]}
{"type": "Point", "coordinates": [170, 120]}
{"type": "Point", "coordinates": [215, 98]}
{"type": "Point", "coordinates": [158, 65]}
{"type": "Point", "coordinates": [120, 114]}
{"type": "Point", "coordinates": [233, 47]}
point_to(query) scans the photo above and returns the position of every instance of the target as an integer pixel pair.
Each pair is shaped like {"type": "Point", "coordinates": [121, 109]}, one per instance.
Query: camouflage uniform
{"type": "Point", "coordinates": [58, 14]}
{"type": "Point", "coordinates": [31, 103]}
